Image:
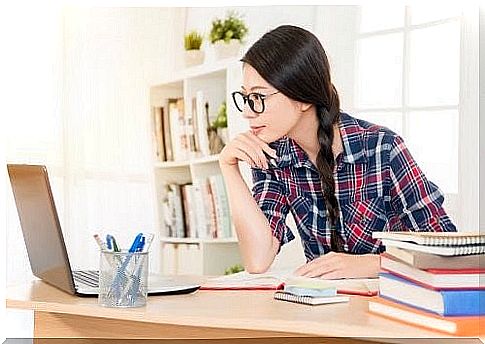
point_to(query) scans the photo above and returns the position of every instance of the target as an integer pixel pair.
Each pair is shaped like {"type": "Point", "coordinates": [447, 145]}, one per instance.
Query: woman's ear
{"type": "Point", "coordinates": [304, 107]}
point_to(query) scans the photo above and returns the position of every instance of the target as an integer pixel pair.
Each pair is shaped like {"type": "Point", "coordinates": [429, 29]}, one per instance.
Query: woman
{"type": "Point", "coordinates": [342, 178]}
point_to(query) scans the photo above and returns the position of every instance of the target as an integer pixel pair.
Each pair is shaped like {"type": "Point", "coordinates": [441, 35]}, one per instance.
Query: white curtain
{"type": "Point", "coordinates": [82, 82]}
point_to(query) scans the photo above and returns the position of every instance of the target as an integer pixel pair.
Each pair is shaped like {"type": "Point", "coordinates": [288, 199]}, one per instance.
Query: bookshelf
{"type": "Point", "coordinates": [207, 245]}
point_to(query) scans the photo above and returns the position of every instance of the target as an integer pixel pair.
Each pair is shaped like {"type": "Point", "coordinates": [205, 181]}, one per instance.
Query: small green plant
{"type": "Point", "coordinates": [232, 27]}
{"type": "Point", "coordinates": [193, 40]}
{"type": "Point", "coordinates": [234, 269]}
{"type": "Point", "coordinates": [221, 119]}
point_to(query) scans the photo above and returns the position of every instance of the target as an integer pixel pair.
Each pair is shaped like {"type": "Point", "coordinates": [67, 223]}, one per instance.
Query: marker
{"type": "Point", "coordinates": [100, 243]}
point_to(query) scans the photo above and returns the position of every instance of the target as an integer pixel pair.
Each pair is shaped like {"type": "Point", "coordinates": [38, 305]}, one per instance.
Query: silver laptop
{"type": "Point", "coordinates": [45, 243]}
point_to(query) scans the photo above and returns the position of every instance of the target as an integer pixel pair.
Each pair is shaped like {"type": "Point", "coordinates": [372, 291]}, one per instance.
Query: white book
{"type": "Point", "coordinates": [439, 250]}
{"type": "Point", "coordinates": [201, 118]}
{"type": "Point", "coordinates": [434, 238]}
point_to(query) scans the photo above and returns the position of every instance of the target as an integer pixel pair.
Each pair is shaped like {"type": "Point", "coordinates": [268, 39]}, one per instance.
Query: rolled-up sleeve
{"type": "Point", "coordinates": [417, 202]}
{"type": "Point", "coordinates": [269, 194]}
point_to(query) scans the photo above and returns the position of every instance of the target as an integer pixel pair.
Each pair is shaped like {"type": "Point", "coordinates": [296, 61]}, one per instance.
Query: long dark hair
{"type": "Point", "coordinates": [293, 60]}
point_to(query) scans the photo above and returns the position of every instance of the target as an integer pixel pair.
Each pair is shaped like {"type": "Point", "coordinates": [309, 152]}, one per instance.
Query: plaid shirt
{"type": "Point", "coordinates": [378, 185]}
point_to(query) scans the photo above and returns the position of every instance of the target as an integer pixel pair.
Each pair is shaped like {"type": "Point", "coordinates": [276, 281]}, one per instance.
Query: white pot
{"type": "Point", "coordinates": [225, 50]}
{"type": "Point", "coordinates": [194, 57]}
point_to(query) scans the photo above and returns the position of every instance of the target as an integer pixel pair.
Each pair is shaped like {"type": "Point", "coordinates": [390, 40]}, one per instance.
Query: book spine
{"type": "Point", "coordinates": [468, 302]}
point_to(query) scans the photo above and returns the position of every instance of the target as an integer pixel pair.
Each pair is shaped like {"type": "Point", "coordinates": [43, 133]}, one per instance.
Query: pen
{"type": "Point", "coordinates": [149, 241]}
{"type": "Point", "coordinates": [115, 245]}
{"type": "Point", "coordinates": [108, 241]}
{"type": "Point", "coordinates": [141, 244]}
{"type": "Point", "coordinates": [100, 243]}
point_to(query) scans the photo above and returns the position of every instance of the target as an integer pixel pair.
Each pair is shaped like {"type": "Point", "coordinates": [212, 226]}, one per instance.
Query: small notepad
{"type": "Point", "coordinates": [310, 300]}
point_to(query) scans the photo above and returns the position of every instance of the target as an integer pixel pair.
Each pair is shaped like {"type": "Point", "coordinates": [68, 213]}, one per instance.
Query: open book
{"type": "Point", "coordinates": [275, 280]}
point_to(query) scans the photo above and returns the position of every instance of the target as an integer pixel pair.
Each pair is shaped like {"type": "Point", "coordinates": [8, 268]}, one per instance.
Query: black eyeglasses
{"type": "Point", "coordinates": [255, 101]}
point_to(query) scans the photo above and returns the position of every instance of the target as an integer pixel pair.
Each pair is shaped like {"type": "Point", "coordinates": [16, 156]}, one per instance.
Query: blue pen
{"type": "Point", "coordinates": [141, 245]}
{"type": "Point", "coordinates": [109, 239]}
{"type": "Point", "coordinates": [122, 268]}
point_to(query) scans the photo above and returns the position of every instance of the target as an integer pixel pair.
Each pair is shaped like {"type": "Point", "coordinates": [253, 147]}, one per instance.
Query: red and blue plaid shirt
{"type": "Point", "coordinates": [378, 185]}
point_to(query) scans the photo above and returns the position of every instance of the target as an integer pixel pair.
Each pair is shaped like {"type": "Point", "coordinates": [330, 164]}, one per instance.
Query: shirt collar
{"type": "Point", "coordinates": [291, 154]}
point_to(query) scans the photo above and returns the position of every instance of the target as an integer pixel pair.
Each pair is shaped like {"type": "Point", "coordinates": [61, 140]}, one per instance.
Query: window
{"type": "Point", "coordinates": [408, 79]}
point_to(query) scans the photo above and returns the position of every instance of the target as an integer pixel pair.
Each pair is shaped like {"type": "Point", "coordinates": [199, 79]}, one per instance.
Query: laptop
{"type": "Point", "coordinates": [45, 243]}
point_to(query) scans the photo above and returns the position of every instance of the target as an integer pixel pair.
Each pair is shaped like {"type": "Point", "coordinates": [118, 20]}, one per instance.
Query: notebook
{"type": "Point", "coordinates": [309, 300]}
{"type": "Point", "coordinates": [44, 240]}
{"type": "Point", "coordinates": [439, 250]}
{"type": "Point", "coordinates": [434, 238]}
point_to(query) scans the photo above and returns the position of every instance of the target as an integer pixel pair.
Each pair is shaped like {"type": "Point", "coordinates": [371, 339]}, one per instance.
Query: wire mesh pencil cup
{"type": "Point", "coordinates": [123, 279]}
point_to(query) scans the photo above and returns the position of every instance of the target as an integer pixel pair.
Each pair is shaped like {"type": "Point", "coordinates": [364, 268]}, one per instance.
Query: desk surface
{"type": "Point", "coordinates": [249, 310]}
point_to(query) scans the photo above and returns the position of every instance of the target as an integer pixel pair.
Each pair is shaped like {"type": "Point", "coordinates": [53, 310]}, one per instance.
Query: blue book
{"type": "Point", "coordinates": [442, 302]}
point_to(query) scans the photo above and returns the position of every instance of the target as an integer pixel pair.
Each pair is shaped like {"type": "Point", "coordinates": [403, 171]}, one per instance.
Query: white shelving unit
{"type": "Point", "coordinates": [193, 255]}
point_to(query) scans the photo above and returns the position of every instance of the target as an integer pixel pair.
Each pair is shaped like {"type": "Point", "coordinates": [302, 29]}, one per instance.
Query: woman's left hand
{"type": "Point", "coordinates": [334, 265]}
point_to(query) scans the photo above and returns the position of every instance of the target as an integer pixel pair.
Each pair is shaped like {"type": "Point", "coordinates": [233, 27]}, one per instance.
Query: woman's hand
{"type": "Point", "coordinates": [334, 265]}
{"type": "Point", "coordinates": [246, 147]}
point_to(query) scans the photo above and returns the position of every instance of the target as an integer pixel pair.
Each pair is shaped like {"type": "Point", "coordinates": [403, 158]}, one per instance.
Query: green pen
{"type": "Point", "coordinates": [115, 246]}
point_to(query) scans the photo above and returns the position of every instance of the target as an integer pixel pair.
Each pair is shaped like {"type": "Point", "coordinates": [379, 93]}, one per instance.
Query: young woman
{"type": "Point", "coordinates": [342, 178]}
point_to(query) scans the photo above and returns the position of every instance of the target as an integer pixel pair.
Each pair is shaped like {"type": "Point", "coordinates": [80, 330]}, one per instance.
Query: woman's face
{"type": "Point", "coordinates": [281, 113]}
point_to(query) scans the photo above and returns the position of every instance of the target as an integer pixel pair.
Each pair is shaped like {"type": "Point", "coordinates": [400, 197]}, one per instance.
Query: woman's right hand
{"type": "Point", "coordinates": [249, 148]}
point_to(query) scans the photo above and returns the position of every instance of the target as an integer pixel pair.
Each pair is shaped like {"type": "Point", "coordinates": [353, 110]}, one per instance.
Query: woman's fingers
{"type": "Point", "coordinates": [256, 151]}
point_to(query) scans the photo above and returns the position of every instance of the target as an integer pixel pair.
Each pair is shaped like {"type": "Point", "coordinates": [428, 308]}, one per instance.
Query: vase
{"type": "Point", "coordinates": [194, 57]}
{"type": "Point", "coordinates": [225, 50]}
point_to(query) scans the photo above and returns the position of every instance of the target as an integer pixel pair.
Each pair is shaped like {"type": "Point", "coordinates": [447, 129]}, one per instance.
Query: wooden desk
{"type": "Point", "coordinates": [211, 314]}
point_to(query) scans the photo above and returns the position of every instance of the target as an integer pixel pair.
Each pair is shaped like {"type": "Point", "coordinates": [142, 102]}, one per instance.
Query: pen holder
{"type": "Point", "coordinates": [123, 279]}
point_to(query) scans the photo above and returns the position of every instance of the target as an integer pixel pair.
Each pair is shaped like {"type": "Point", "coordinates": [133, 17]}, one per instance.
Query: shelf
{"type": "Point", "coordinates": [200, 70]}
{"type": "Point", "coordinates": [187, 163]}
{"type": "Point", "coordinates": [197, 240]}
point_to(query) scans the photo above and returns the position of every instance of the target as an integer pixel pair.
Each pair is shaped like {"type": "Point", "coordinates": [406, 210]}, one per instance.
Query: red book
{"type": "Point", "coordinates": [436, 279]}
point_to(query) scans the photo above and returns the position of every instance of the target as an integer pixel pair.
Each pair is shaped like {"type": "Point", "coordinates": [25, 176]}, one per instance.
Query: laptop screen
{"type": "Point", "coordinates": [40, 225]}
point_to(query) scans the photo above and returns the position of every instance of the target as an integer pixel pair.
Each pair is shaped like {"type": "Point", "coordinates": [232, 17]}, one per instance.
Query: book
{"type": "Point", "coordinates": [275, 280]}
{"type": "Point", "coordinates": [439, 279]}
{"type": "Point", "coordinates": [310, 300]}
{"type": "Point", "coordinates": [202, 123]}
{"type": "Point", "coordinates": [434, 238]}
{"type": "Point", "coordinates": [460, 326]}
{"type": "Point", "coordinates": [439, 250]}
{"type": "Point", "coordinates": [157, 113]}
{"type": "Point", "coordinates": [167, 135]}
{"type": "Point", "coordinates": [442, 302]}
{"type": "Point", "coordinates": [423, 260]}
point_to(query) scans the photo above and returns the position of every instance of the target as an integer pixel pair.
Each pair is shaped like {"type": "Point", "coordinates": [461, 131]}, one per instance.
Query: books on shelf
{"type": "Point", "coordinates": [457, 325]}
{"type": "Point", "coordinates": [424, 260]}
{"type": "Point", "coordinates": [180, 131]}
{"type": "Point", "coordinates": [173, 211]}
{"type": "Point", "coordinates": [463, 302]}
{"type": "Point", "coordinates": [202, 209]}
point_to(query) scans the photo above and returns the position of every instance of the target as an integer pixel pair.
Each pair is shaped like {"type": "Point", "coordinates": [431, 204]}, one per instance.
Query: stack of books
{"type": "Point", "coordinates": [433, 280]}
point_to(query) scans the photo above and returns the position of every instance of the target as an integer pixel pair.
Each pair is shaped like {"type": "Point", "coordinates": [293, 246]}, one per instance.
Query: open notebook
{"type": "Point", "coordinates": [275, 280]}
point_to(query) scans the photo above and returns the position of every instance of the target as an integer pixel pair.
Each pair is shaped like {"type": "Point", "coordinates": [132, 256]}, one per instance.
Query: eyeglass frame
{"type": "Point", "coordinates": [251, 102]}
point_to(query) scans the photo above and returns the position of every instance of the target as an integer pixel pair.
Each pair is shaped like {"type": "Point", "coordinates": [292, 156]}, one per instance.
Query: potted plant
{"type": "Point", "coordinates": [227, 35]}
{"type": "Point", "coordinates": [193, 54]}
{"type": "Point", "coordinates": [220, 123]}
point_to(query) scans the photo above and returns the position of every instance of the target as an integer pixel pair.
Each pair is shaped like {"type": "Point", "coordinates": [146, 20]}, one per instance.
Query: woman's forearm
{"type": "Point", "coordinates": [257, 244]}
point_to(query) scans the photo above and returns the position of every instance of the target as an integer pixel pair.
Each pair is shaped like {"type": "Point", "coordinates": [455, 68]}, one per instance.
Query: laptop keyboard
{"type": "Point", "coordinates": [86, 277]}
